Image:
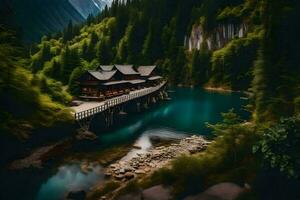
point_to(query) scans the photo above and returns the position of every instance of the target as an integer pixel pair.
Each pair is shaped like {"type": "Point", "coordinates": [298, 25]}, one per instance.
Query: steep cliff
{"type": "Point", "coordinates": [216, 39]}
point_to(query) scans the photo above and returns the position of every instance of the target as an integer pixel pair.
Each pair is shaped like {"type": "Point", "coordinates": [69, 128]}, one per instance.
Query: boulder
{"type": "Point", "coordinates": [76, 195]}
{"type": "Point", "coordinates": [131, 196]}
{"type": "Point", "coordinates": [227, 191]}
{"type": "Point", "coordinates": [156, 193]}
{"type": "Point", "coordinates": [221, 191]}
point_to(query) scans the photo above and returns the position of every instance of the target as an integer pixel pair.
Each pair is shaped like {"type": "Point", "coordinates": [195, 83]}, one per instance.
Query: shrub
{"type": "Point", "coordinates": [280, 146]}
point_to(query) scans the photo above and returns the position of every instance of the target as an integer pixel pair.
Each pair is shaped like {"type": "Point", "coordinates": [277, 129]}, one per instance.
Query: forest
{"type": "Point", "coordinates": [240, 45]}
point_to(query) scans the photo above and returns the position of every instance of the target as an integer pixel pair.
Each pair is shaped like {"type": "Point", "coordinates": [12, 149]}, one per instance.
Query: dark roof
{"type": "Point", "coordinates": [146, 70]}
{"type": "Point", "coordinates": [114, 83]}
{"type": "Point", "coordinates": [137, 81]}
{"type": "Point", "coordinates": [126, 69]}
{"type": "Point", "coordinates": [106, 67]}
{"type": "Point", "coordinates": [154, 78]}
{"type": "Point", "coordinates": [102, 76]}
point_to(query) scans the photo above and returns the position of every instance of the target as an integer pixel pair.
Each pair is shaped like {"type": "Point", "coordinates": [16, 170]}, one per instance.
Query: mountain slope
{"type": "Point", "coordinates": [87, 7]}
{"type": "Point", "coordinates": [41, 17]}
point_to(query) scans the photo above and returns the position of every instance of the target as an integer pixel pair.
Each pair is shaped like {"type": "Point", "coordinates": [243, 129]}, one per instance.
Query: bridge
{"type": "Point", "coordinates": [89, 109]}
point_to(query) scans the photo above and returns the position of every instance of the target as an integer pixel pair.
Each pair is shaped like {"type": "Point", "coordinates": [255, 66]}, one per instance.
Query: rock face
{"type": "Point", "coordinates": [155, 158]}
{"type": "Point", "coordinates": [217, 39]}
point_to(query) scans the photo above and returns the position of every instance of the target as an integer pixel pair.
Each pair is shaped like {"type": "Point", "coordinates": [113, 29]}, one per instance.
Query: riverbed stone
{"type": "Point", "coordinates": [156, 157]}
{"type": "Point", "coordinates": [119, 176]}
{"type": "Point", "coordinates": [129, 175]}
{"type": "Point", "coordinates": [139, 171]}
{"type": "Point", "coordinates": [114, 166]}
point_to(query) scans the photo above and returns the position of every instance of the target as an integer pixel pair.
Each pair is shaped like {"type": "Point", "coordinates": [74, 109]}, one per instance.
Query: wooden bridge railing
{"type": "Point", "coordinates": [116, 101]}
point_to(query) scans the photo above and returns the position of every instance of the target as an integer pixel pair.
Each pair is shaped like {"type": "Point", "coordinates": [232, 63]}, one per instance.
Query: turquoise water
{"type": "Point", "coordinates": [69, 178]}
{"type": "Point", "coordinates": [185, 114]}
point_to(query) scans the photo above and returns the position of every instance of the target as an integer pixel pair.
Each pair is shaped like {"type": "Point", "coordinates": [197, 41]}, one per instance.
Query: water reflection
{"type": "Point", "coordinates": [69, 178]}
{"type": "Point", "coordinates": [144, 142]}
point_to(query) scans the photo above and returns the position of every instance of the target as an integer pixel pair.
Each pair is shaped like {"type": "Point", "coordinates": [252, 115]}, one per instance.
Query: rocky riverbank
{"type": "Point", "coordinates": [155, 158]}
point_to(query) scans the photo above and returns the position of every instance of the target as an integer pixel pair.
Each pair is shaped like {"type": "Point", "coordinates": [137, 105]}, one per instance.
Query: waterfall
{"type": "Point", "coordinates": [219, 37]}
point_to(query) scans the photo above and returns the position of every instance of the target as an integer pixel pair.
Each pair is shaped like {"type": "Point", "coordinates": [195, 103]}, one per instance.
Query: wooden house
{"type": "Point", "coordinates": [102, 84]}
{"type": "Point", "coordinates": [149, 74]}
{"type": "Point", "coordinates": [109, 81]}
{"type": "Point", "coordinates": [106, 68]}
{"type": "Point", "coordinates": [132, 76]}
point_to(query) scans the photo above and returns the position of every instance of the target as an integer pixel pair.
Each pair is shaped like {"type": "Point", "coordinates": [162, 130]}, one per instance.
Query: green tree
{"type": "Point", "coordinates": [68, 33]}
{"type": "Point", "coordinates": [104, 52]}
{"type": "Point", "coordinates": [231, 124]}
{"type": "Point", "coordinates": [69, 60]}
{"type": "Point", "coordinates": [280, 146]}
{"type": "Point", "coordinates": [73, 85]}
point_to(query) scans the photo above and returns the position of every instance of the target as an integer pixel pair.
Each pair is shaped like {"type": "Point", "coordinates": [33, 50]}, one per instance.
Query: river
{"type": "Point", "coordinates": [185, 114]}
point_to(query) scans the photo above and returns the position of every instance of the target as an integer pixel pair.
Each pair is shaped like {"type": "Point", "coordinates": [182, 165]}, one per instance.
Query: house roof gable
{"type": "Point", "coordinates": [126, 69]}
{"type": "Point", "coordinates": [102, 76]}
{"type": "Point", "coordinates": [146, 70]}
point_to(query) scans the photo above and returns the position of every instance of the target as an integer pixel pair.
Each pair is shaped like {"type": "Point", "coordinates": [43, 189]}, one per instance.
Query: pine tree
{"type": "Point", "coordinates": [103, 52]}
{"type": "Point", "coordinates": [70, 60]}
{"type": "Point", "coordinates": [68, 32]}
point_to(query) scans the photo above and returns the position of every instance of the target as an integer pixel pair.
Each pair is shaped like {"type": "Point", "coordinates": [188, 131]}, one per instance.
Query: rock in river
{"type": "Point", "coordinates": [76, 195]}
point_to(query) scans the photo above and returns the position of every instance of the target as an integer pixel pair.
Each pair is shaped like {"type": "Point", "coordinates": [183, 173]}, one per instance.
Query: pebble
{"type": "Point", "coordinates": [155, 158]}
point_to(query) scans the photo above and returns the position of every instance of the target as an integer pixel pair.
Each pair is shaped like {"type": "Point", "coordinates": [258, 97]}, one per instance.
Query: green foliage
{"type": "Point", "coordinates": [54, 89]}
{"type": "Point", "coordinates": [237, 12]}
{"type": "Point", "coordinates": [200, 65]}
{"type": "Point", "coordinates": [276, 80]}
{"type": "Point", "coordinates": [280, 146]}
{"type": "Point", "coordinates": [230, 121]}
{"type": "Point", "coordinates": [231, 65]}
{"type": "Point", "coordinates": [73, 82]}
{"type": "Point", "coordinates": [103, 52]}
{"type": "Point", "coordinates": [22, 102]}
{"type": "Point", "coordinates": [228, 159]}
{"type": "Point", "coordinates": [69, 60]}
